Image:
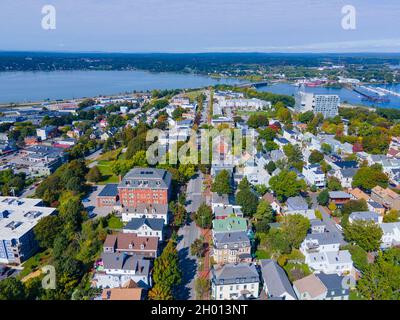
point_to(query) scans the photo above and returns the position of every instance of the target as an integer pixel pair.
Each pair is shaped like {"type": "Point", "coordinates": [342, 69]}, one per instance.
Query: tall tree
{"type": "Point", "coordinates": [222, 183]}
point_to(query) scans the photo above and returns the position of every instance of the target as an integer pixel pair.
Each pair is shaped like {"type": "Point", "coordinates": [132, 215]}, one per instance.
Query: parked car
{"type": "Point", "coordinates": [3, 269]}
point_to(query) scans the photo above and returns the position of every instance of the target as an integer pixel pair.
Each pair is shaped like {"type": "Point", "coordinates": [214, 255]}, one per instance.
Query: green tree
{"type": "Point", "coordinates": [323, 197]}
{"type": "Point", "coordinates": [201, 287]}
{"type": "Point", "coordinates": [368, 177]}
{"type": "Point", "coordinates": [47, 230]}
{"type": "Point", "coordinates": [203, 216]}
{"type": "Point", "coordinates": [257, 120]}
{"type": "Point", "coordinates": [315, 157]}
{"type": "Point", "coordinates": [248, 201]}
{"type": "Point", "coordinates": [270, 167]}
{"type": "Point", "coordinates": [197, 248]}
{"type": "Point", "coordinates": [391, 216]}
{"type": "Point", "coordinates": [166, 272]}
{"type": "Point", "coordinates": [222, 183]}
{"type": "Point", "coordinates": [160, 291]}
{"type": "Point", "coordinates": [366, 234]}
{"type": "Point", "coordinates": [326, 148]}
{"type": "Point", "coordinates": [286, 185]}
{"type": "Point", "coordinates": [334, 184]}
{"type": "Point", "coordinates": [94, 175]}
{"type": "Point", "coordinates": [293, 153]}
{"type": "Point", "coordinates": [295, 228]}
{"type": "Point", "coordinates": [12, 289]}
{"type": "Point", "coordinates": [264, 212]}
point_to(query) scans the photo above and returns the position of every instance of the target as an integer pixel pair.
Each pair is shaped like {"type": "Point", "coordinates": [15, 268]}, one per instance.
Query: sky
{"type": "Point", "coordinates": [200, 26]}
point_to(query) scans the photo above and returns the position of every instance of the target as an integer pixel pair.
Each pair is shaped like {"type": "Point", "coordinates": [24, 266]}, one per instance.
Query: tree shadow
{"type": "Point", "coordinates": [188, 268]}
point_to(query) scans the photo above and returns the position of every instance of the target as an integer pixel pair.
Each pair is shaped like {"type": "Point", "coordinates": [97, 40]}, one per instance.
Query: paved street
{"type": "Point", "coordinates": [194, 196]}
{"type": "Point", "coordinates": [186, 236]}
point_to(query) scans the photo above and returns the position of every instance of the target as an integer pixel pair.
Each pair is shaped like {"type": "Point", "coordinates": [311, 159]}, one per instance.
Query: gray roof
{"type": "Point", "coordinates": [324, 238]}
{"type": "Point", "coordinates": [365, 216]}
{"type": "Point", "coordinates": [333, 283]}
{"type": "Point", "coordinates": [296, 203]}
{"type": "Point", "coordinates": [275, 279]}
{"type": "Point", "coordinates": [235, 273]}
{"type": "Point", "coordinates": [231, 239]}
{"type": "Point", "coordinates": [123, 261]}
{"type": "Point", "coordinates": [149, 178]}
{"type": "Point", "coordinates": [110, 190]}
{"type": "Point", "coordinates": [348, 172]}
{"type": "Point", "coordinates": [339, 195]}
{"type": "Point", "coordinates": [227, 211]}
{"type": "Point", "coordinates": [136, 223]}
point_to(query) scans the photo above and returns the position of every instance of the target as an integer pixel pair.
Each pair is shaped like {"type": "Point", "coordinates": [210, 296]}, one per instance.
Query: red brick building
{"type": "Point", "coordinates": [145, 185]}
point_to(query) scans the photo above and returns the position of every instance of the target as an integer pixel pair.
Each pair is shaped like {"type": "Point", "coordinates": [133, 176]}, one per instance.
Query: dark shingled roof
{"type": "Point", "coordinates": [110, 190]}
{"type": "Point", "coordinates": [136, 223]}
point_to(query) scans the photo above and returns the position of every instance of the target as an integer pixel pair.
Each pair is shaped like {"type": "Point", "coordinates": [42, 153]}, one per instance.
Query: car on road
{"type": "Point", "coordinates": [339, 227]}
{"type": "Point", "coordinates": [86, 200]}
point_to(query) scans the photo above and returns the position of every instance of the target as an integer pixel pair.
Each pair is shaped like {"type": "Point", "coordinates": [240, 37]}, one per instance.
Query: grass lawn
{"type": "Point", "coordinates": [110, 155]}
{"type": "Point", "coordinates": [296, 271]}
{"type": "Point", "coordinates": [263, 254]}
{"type": "Point", "coordinates": [115, 223]}
{"type": "Point", "coordinates": [34, 262]}
{"type": "Point", "coordinates": [354, 295]}
{"type": "Point", "coordinates": [192, 95]}
{"type": "Point", "coordinates": [105, 170]}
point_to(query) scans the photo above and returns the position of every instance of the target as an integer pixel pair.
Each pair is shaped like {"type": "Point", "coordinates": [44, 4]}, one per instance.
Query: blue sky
{"type": "Point", "coordinates": [201, 26]}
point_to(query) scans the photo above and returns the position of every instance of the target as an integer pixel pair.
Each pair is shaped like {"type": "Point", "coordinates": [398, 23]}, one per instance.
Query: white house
{"type": "Point", "coordinates": [149, 211]}
{"type": "Point", "coordinates": [314, 175]}
{"type": "Point", "coordinates": [391, 234]}
{"type": "Point", "coordinates": [321, 251]}
{"type": "Point", "coordinates": [146, 227]}
{"type": "Point", "coordinates": [346, 176]}
{"type": "Point", "coordinates": [234, 281]}
{"type": "Point", "coordinates": [115, 269]}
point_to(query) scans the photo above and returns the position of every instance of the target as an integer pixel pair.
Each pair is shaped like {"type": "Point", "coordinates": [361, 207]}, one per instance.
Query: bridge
{"type": "Point", "coordinates": [379, 97]}
{"type": "Point", "coordinates": [252, 85]}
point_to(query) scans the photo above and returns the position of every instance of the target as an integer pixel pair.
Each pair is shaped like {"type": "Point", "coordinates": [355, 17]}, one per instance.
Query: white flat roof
{"type": "Point", "coordinates": [19, 215]}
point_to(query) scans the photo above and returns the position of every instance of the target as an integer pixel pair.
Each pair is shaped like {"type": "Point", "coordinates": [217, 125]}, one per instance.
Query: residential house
{"type": "Point", "coordinates": [365, 216]}
{"type": "Point", "coordinates": [115, 269]}
{"type": "Point", "coordinates": [322, 253]}
{"type": "Point", "coordinates": [273, 202]}
{"type": "Point", "coordinates": [145, 210]}
{"type": "Point", "coordinates": [146, 227]}
{"type": "Point", "coordinates": [339, 198]}
{"type": "Point", "coordinates": [235, 281]}
{"type": "Point", "coordinates": [131, 243]}
{"type": "Point", "coordinates": [129, 291]}
{"type": "Point", "coordinates": [276, 282]}
{"type": "Point", "coordinates": [391, 234]}
{"type": "Point", "coordinates": [345, 176]}
{"type": "Point", "coordinates": [314, 175]}
{"type": "Point", "coordinates": [297, 205]}
{"type": "Point", "coordinates": [310, 288]}
{"type": "Point", "coordinates": [335, 288]}
{"type": "Point", "coordinates": [386, 197]}
{"type": "Point", "coordinates": [230, 224]}
{"type": "Point", "coordinates": [231, 247]}
{"type": "Point", "coordinates": [225, 211]}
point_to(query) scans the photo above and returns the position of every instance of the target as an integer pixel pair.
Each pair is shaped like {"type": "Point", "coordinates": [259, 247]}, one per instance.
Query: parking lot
{"type": "Point", "coordinates": [91, 205]}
